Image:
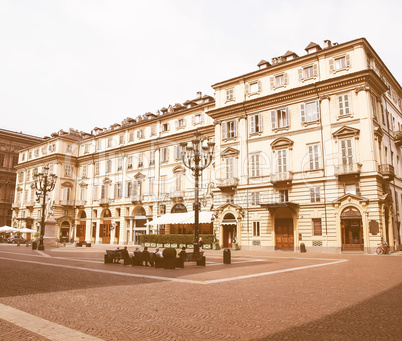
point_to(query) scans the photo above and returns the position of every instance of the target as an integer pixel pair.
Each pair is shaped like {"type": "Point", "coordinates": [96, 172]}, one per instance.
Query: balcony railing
{"type": "Point", "coordinates": [387, 171]}
{"type": "Point", "coordinates": [176, 195]}
{"type": "Point", "coordinates": [136, 199]}
{"type": "Point", "coordinates": [348, 169]}
{"type": "Point", "coordinates": [228, 185]}
{"type": "Point", "coordinates": [30, 204]}
{"type": "Point", "coordinates": [281, 178]}
{"type": "Point", "coordinates": [16, 205]}
{"type": "Point", "coordinates": [68, 203]}
{"type": "Point", "coordinates": [104, 201]}
{"type": "Point", "coordinates": [80, 203]}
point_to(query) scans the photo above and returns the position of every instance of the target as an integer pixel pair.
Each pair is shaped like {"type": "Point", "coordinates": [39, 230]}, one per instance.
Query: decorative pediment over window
{"type": "Point", "coordinates": [282, 142]}
{"type": "Point", "coordinates": [67, 184]}
{"type": "Point", "coordinates": [346, 132]}
{"type": "Point", "coordinates": [229, 152]}
{"type": "Point", "coordinates": [378, 133]}
{"type": "Point", "coordinates": [178, 169]}
{"type": "Point", "coordinates": [83, 184]}
{"type": "Point", "coordinates": [106, 180]}
{"type": "Point", "coordinates": [349, 197]}
{"type": "Point", "coordinates": [139, 176]}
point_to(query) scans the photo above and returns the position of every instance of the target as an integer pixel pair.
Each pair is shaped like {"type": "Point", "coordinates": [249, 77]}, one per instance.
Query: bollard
{"type": "Point", "coordinates": [302, 248]}
{"type": "Point", "coordinates": [226, 256]}
{"type": "Point", "coordinates": [34, 245]}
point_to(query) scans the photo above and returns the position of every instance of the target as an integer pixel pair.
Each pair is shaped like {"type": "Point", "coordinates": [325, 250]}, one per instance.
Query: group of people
{"type": "Point", "coordinates": [144, 256]}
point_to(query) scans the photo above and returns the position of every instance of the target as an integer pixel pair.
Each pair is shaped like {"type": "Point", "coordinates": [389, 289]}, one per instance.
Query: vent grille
{"type": "Point", "coordinates": [317, 242]}
{"type": "Point", "coordinates": [256, 242]}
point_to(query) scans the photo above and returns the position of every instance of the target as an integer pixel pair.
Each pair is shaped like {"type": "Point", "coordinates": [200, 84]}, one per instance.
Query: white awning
{"type": "Point", "coordinates": [228, 223]}
{"type": "Point", "coordinates": [181, 218]}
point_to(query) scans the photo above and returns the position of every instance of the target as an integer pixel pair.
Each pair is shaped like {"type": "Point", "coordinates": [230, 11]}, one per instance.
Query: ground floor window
{"type": "Point", "coordinates": [256, 228]}
{"type": "Point", "coordinates": [317, 227]}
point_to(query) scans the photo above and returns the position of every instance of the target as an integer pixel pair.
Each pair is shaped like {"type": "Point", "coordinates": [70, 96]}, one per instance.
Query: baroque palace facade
{"type": "Point", "coordinates": [308, 150]}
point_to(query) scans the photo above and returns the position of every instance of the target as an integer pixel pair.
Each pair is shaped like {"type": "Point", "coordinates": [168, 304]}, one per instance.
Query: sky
{"type": "Point", "coordinates": [92, 63]}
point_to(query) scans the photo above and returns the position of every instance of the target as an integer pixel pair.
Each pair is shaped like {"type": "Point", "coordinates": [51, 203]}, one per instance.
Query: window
{"type": "Point", "coordinates": [130, 162]}
{"type": "Point", "coordinates": [255, 198]}
{"type": "Point", "coordinates": [279, 81]}
{"type": "Point", "coordinates": [84, 171]}
{"type": "Point", "coordinates": [140, 160]}
{"type": "Point", "coordinates": [179, 182]}
{"type": "Point", "coordinates": [256, 228]}
{"type": "Point", "coordinates": [95, 192]}
{"type": "Point", "coordinates": [181, 123]}
{"type": "Point", "coordinates": [97, 168]}
{"type": "Point", "coordinates": [165, 154]}
{"type": "Point", "coordinates": [283, 195]}
{"type": "Point", "coordinates": [254, 88]}
{"type": "Point", "coordinates": [105, 191]}
{"type": "Point", "coordinates": [346, 152]}
{"type": "Point", "coordinates": [280, 118]}
{"type": "Point", "coordinates": [109, 142]}
{"type": "Point", "coordinates": [97, 144]}
{"type": "Point", "coordinates": [374, 106]}
{"type": "Point", "coordinates": [118, 190]}
{"type": "Point", "coordinates": [310, 112]}
{"type": "Point", "coordinates": [67, 170]}
{"type": "Point", "coordinates": [229, 129]}
{"type": "Point", "coordinates": [153, 130]}
{"type": "Point", "coordinates": [66, 193]}
{"type": "Point", "coordinates": [131, 136]}
{"type": "Point", "coordinates": [129, 189]}
{"type": "Point", "coordinates": [313, 157]}
{"type": "Point", "coordinates": [255, 165]}
{"type": "Point", "coordinates": [121, 139]}
{"type": "Point", "coordinates": [83, 194]}
{"type": "Point", "coordinates": [308, 72]}
{"type": "Point", "coordinates": [282, 161]}
{"type": "Point", "coordinates": [339, 64]}
{"type": "Point", "coordinates": [86, 148]}
{"type": "Point", "coordinates": [2, 160]}
{"type": "Point", "coordinates": [343, 105]}
{"type": "Point", "coordinates": [229, 169]}
{"type": "Point", "coordinates": [108, 166]}
{"type": "Point", "coordinates": [141, 134]}
{"type": "Point", "coordinates": [230, 95]}
{"type": "Point", "coordinates": [162, 184]}
{"type": "Point", "coordinates": [119, 164]}
{"type": "Point", "coordinates": [151, 157]}
{"type": "Point", "coordinates": [165, 127]}
{"type": "Point", "coordinates": [315, 194]}
{"type": "Point", "coordinates": [317, 227]}
{"type": "Point", "coordinates": [197, 119]}
{"type": "Point", "coordinates": [68, 150]}
{"type": "Point", "coordinates": [352, 188]}
{"type": "Point", "coordinates": [178, 150]}
{"type": "Point", "coordinates": [255, 124]}
{"type": "Point", "coordinates": [151, 185]}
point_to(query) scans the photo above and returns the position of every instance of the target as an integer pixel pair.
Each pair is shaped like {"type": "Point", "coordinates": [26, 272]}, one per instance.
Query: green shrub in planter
{"type": "Point", "coordinates": [169, 253]}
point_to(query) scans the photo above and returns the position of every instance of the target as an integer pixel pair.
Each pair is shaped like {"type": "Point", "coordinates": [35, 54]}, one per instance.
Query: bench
{"type": "Point", "coordinates": [189, 258]}
{"type": "Point", "coordinates": [82, 243]}
{"type": "Point", "coordinates": [115, 255]}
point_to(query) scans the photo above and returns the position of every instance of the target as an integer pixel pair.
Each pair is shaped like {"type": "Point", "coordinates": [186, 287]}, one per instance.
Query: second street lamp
{"type": "Point", "coordinates": [197, 157]}
{"type": "Point", "coordinates": [44, 183]}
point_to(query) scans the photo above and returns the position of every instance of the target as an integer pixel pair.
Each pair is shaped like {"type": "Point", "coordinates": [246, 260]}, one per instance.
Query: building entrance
{"type": "Point", "coordinates": [352, 230]}
{"type": "Point", "coordinates": [284, 235]}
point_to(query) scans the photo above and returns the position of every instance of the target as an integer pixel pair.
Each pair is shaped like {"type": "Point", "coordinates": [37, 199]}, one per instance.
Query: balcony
{"type": "Point", "coordinates": [67, 203]}
{"type": "Point", "coordinates": [30, 205]}
{"type": "Point", "coordinates": [16, 206]}
{"type": "Point", "coordinates": [281, 178]}
{"type": "Point", "coordinates": [136, 199]}
{"type": "Point", "coordinates": [176, 196]}
{"type": "Point", "coordinates": [104, 201]}
{"type": "Point", "coordinates": [228, 185]}
{"type": "Point", "coordinates": [387, 171]}
{"type": "Point", "coordinates": [80, 203]}
{"type": "Point", "coordinates": [398, 138]}
{"type": "Point", "coordinates": [352, 170]}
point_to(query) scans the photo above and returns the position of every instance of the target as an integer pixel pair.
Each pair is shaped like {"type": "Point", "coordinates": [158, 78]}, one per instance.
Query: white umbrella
{"type": "Point", "coordinates": [26, 230]}
{"type": "Point", "coordinates": [8, 229]}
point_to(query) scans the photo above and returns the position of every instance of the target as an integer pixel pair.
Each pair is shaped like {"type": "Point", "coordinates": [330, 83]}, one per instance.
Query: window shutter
{"type": "Point", "coordinates": [176, 123]}
{"type": "Point", "coordinates": [259, 122]}
{"type": "Point", "coordinates": [184, 122]}
{"type": "Point", "coordinates": [202, 118]}
{"type": "Point", "coordinates": [331, 65]}
{"type": "Point", "coordinates": [252, 124]}
{"type": "Point", "coordinates": [115, 191]}
{"type": "Point", "coordinates": [167, 155]}
{"type": "Point", "coordinates": [300, 74]}
{"type": "Point", "coordinates": [259, 86]}
{"type": "Point", "coordinates": [272, 82]}
{"type": "Point", "coordinates": [346, 101]}
{"type": "Point", "coordinates": [274, 121]}
{"type": "Point", "coordinates": [302, 113]}
{"type": "Point", "coordinates": [285, 76]}
{"type": "Point", "coordinates": [135, 187]}
{"type": "Point", "coordinates": [317, 103]}
{"type": "Point", "coordinates": [347, 57]}
{"type": "Point", "coordinates": [167, 126]}
{"type": "Point", "coordinates": [224, 130]}
{"type": "Point", "coordinates": [176, 152]}
{"type": "Point", "coordinates": [193, 119]}
{"type": "Point", "coordinates": [287, 117]}
{"type": "Point", "coordinates": [235, 128]}
{"type": "Point", "coordinates": [315, 70]}
{"type": "Point", "coordinates": [247, 88]}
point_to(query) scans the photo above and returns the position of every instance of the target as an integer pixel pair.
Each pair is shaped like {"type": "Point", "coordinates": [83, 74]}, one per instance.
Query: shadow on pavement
{"type": "Point", "coordinates": [379, 318]}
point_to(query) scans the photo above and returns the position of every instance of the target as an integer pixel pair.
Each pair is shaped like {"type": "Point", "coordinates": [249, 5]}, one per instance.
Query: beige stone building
{"type": "Point", "coordinates": [10, 144]}
{"type": "Point", "coordinates": [308, 150]}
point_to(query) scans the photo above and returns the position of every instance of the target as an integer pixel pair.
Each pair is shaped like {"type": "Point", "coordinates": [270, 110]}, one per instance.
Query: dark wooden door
{"type": "Point", "coordinates": [81, 232]}
{"type": "Point", "coordinates": [228, 235]}
{"type": "Point", "coordinates": [352, 235]}
{"type": "Point", "coordinates": [284, 236]}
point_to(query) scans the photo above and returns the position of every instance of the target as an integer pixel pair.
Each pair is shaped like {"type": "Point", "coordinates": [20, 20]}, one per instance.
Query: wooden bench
{"type": "Point", "coordinates": [112, 255]}
{"type": "Point", "coordinates": [82, 244]}
{"type": "Point", "coordinates": [189, 258]}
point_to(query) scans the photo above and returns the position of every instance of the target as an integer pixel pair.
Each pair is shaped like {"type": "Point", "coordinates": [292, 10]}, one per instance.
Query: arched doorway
{"type": "Point", "coordinates": [229, 225]}
{"type": "Point", "coordinates": [64, 232]}
{"type": "Point", "coordinates": [81, 226]}
{"type": "Point", "coordinates": [180, 228]}
{"type": "Point", "coordinates": [104, 228]}
{"type": "Point", "coordinates": [284, 231]}
{"type": "Point", "coordinates": [352, 230]}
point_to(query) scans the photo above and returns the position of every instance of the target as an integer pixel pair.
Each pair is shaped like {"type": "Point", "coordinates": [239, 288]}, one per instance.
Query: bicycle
{"type": "Point", "coordinates": [382, 248]}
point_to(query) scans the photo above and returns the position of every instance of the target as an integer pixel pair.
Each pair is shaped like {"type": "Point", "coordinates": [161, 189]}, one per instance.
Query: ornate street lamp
{"type": "Point", "coordinates": [197, 157]}
{"type": "Point", "coordinates": [44, 183]}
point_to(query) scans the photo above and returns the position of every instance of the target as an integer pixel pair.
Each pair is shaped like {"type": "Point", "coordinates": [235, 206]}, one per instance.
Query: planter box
{"type": "Point", "coordinates": [173, 245]}
{"type": "Point", "coordinates": [159, 245]}
{"type": "Point", "coordinates": [147, 244]}
{"type": "Point", "coordinates": [182, 245]}
{"type": "Point", "coordinates": [165, 245]}
{"type": "Point", "coordinates": [153, 244]}
{"type": "Point", "coordinates": [190, 246]}
{"type": "Point", "coordinates": [207, 246]}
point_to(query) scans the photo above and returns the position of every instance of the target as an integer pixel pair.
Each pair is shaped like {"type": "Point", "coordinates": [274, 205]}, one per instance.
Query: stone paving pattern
{"type": "Point", "coordinates": [360, 299]}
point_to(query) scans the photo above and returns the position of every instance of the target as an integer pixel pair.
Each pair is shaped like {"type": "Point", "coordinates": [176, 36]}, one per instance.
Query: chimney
{"type": "Point", "coordinates": [327, 44]}
{"type": "Point", "coordinates": [199, 94]}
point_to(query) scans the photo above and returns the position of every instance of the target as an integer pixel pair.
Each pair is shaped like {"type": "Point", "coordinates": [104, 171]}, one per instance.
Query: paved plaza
{"type": "Point", "coordinates": [70, 294]}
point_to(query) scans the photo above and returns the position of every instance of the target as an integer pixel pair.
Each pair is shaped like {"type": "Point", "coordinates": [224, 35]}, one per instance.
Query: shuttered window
{"type": "Point", "coordinates": [256, 124]}
{"type": "Point", "coordinates": [280, 118]}
{"type": "Point", "coordinates": [343, 105]}
{"type": "Point", "coordinates": [310, 112]}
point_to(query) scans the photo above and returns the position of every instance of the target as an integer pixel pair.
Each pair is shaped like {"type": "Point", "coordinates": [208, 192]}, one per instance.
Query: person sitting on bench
{"type": "Point", "coordinates": [146, 257]}
{"type": "Point", "coordinates": [183, 254]}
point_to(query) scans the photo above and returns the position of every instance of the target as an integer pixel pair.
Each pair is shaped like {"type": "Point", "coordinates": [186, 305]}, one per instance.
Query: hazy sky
{"type": "Point", "coordinates": [82, 64]}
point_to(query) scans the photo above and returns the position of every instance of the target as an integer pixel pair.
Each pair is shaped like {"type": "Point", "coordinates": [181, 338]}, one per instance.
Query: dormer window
{"type": "Point", "coordinates": [230, 95]}
{"type": "Point", "coordinates": [165, 127]}
{"type": "Point", "coordinates": [140, 134]}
